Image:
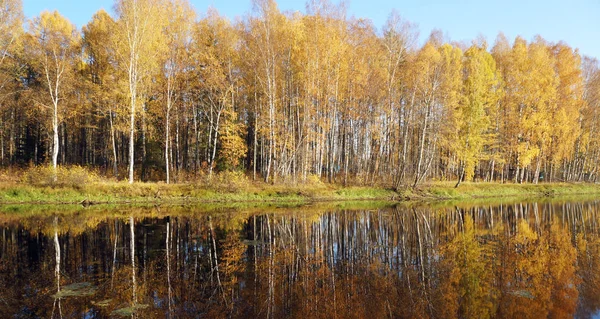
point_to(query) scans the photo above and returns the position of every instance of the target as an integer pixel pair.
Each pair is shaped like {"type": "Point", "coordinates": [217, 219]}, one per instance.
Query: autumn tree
{"type": "Point", "coordinates": [233, 149]}
{"type": "Point", "coordinates": [445, 118]}
{"type": "Point", "coordinates": [468, 262]}
{"type": "Point", "coordinates": [103, 72]}
{"type": "Point", "coordinates": [263, 38]}
{"type": "Point", "coordinates": [424, 77]}
{"type": "Point", "coordinates": [399, 36]}
{"type": "Point", "coordinates": [566, 112]}
{"type": "Point", "coordinates": [503, 148]}
{"type": "Point", "coordinates": [178, 36]}
{"type": "Point", "coordinates": [218, 60]}
{"type": "Point", "coordinates": [11, 20]}
{"type": "Point", "coordinates": [139, 42]}
{"type": "Point", "coordinates": [54, 42]}
{"type": "Point", "coordinates": [11, 30]}
{"type": "Point", "coordinates": [328, 49]}
{"type": "Point", "coordinates": [543, 101]}
{"type": "Point", "coordinates": [437, 83]}
{"type": "Point", "coordinates": [530, 95]}
{"type": "Point", "coordinates": [479, 96]}
{"type": "Point", "coordinates": [588, 140]}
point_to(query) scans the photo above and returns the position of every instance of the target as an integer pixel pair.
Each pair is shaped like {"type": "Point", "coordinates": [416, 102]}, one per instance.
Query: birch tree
{"type": "Point", "coordinates": [264, 36]}
{"type": "Point", "coordinates": [139, 43]}
{"type": "Point", "coordinates": [177, 33]}
{"type": "Point", "coordinates": [53, 42]}
{"type": "Point", "coordinates": [11, 20]}
{"type": "Point", "coordinates": [216, 54]}
{"type": "Point", "coordinates": [566, 113]}
{"type": "Point", "coordinates": [11, 30]}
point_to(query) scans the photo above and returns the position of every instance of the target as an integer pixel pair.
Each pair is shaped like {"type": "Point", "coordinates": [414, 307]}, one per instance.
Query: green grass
{"type": "Point", "coordinates": [122, 192]}
{"type": "Point", "coordinates": [446, 190]}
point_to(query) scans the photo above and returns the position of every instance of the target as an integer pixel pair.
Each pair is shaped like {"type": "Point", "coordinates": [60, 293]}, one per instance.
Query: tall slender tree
{"type": "Point", "coordinates": [54, 42]}
{"type": "Point", "coordinates": [11, 31]}
{"type": "Point", "coordinates": [11, 28]}
{"type": "Point", "coordinates": [480, 94]}
{"type": "Point", "coordinates": [180, 17]}
{"type": "Point", "coordinates": [103, 72]}
{"type": "Point", "coordinates": [139, 43]}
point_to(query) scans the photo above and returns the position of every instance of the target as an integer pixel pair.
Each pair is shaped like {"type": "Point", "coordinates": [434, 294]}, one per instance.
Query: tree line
{"type": "Point", "coordinates": [157, 92]}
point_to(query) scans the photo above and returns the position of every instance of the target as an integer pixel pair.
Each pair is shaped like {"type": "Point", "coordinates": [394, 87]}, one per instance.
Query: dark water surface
{"type": "Point", "coordinates": [511, 260]}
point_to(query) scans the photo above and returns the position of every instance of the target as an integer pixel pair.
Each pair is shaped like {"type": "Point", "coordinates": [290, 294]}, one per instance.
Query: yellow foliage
{"type": "Point", "coordinates": [73, 176]}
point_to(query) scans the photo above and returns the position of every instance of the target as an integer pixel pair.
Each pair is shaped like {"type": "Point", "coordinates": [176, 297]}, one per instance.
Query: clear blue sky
{"type": "Point", "coordinates": [576, 22]}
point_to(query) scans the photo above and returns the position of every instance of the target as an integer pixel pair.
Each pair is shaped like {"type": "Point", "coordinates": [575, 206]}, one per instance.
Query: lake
{"type": "Point", "coordinates": [367, 260]}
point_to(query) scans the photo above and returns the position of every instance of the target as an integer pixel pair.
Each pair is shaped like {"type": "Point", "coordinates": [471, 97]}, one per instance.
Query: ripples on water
{"type": "Point", "coordinates": [518, 260]}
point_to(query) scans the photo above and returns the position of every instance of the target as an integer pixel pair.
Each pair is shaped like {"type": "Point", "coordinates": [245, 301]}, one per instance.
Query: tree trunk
{"type": "Point", "coordinates": [196, 141]}
{"type": "Point", "coordinates": [215, 140]}
{"type": "Point", "coordinates": [55, 139]}
{"type": "Point", "coordinates": [114, 144]}
{"type": "Point", "coordinates": [144, 153]}
{"type": "Point", "coordinates": [271, 139]}
{"type": "Point", "coordinates": [537, 170]}
{"type": "Point", "coordinates": [114, 260]}
{"type": "Point", "coordinates": [177, 162]}
{"type": "Point", "coordinates": [461, 175]}
{"type": "Point", "coordinates": [167, 244]}
{"type": "Point", "coordinates": [131, 138]}
{"type": "Point", "coordinates": [2, 143]}
{"type": "Point", "coordinates": [57, 267]}
{"type": "Point", "coordinates": [168, 139]}
{"type": "Point", "coordinates": [132, 247]}
{"type": "Point", "coordinates": [421, 147]}
{"type": "Point", "coordinates": [133, 78]}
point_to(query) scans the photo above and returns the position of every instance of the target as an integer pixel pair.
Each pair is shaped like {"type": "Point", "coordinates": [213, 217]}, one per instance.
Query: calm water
{"type": "Point", "coordinates": [511, 260]}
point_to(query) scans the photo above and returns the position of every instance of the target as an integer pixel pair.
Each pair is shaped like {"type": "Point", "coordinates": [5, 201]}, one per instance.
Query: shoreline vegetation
{"type": "Point", "coordinates": [39, 187]}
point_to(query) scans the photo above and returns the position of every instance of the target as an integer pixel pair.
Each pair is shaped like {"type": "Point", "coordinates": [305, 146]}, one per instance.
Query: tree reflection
{"type": "Point", "coordinates": [518, 260]}
{"type": "Point", "coordinates": [57, 272]}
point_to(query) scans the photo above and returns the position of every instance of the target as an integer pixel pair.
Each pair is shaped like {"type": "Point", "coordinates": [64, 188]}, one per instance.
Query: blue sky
{"type": "Point", "coordinates": [577, 22]}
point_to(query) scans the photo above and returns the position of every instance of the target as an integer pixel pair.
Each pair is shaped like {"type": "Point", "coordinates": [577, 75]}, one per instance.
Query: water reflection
{"type": "Point", "coordinates": [523, 260]}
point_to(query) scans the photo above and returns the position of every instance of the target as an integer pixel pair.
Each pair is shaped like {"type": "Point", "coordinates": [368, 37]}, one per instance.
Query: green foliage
{"type": "Point", "coordinates": [470, 190]}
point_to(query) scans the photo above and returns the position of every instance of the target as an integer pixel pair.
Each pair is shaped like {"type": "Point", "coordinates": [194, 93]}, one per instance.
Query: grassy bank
{"type": "Point", "coordinates": [466, 191]}
{"type": "Point", "coordinates": [121, 192]}
{"type": "Point", "coordinates": [187, 193]}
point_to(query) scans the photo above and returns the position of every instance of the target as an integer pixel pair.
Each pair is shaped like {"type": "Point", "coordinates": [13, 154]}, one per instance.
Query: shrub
{"type": "Point", "coordinates": [314, 180]}
{"type": "Point", "coordinates": [73, 176]}
{"type": "Point", "coordinates": [76, 176]}
{"type": "Point", "coordinates": [229, 181]}
{"type": "Point", "coordinates": [9, 176]}
{"type": "Point", "coordinates": [39, 176]}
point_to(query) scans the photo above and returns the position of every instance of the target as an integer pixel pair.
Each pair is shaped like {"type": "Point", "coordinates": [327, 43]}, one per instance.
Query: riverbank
{"type": "Point", "coordinates": [466, 191]}
{"type": "Point", "coordinates": [123, 193]}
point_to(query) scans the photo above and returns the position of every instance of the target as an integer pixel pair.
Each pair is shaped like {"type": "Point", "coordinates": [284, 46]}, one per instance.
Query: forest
{"type": "Point", "coordinates": [159, 91]}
